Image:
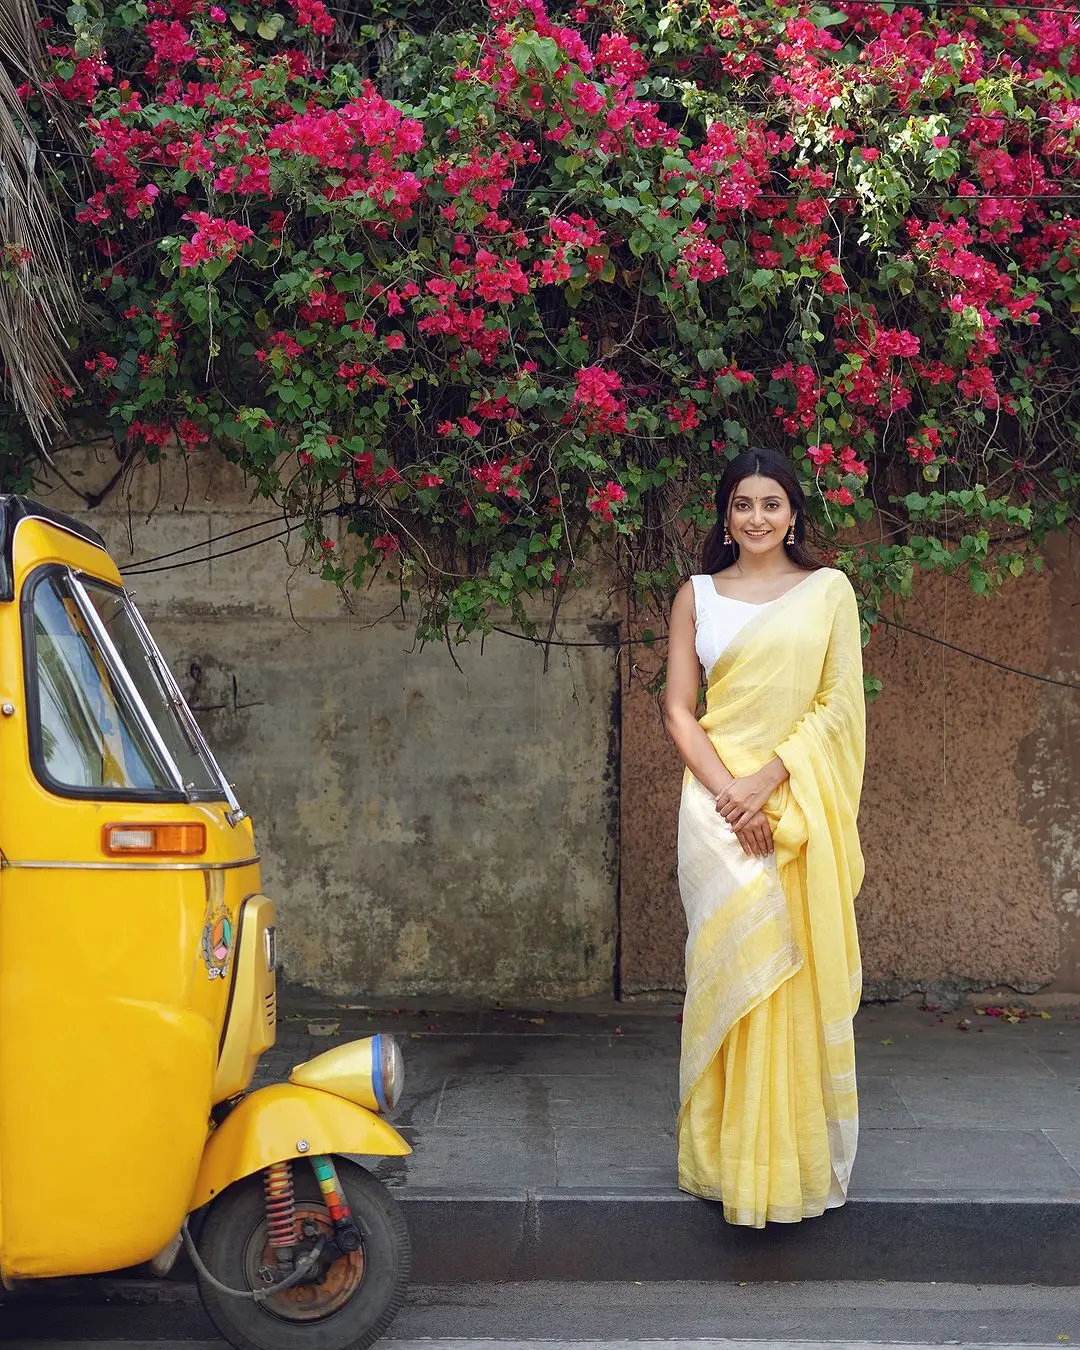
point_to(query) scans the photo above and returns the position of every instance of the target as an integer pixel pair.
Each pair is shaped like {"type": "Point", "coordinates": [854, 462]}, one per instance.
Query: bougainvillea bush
{"type": "Point", "coordinates": [507, 285]}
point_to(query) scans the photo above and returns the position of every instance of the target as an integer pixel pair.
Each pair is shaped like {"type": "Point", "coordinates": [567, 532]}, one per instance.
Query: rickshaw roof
{"type": "Point", "coordinates": [15, 508]}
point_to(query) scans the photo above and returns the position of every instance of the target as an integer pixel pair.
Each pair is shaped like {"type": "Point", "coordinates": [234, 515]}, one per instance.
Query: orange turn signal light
{"type": "Point", "coordinates": [128, 841]}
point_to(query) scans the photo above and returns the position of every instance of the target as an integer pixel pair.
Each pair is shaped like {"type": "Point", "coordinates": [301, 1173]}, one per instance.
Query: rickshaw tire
{"type": "Point", "coordinates": [234, 1217]}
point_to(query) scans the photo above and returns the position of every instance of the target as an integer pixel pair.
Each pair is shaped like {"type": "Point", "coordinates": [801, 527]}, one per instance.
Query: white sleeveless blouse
{"type": "Point", "coordinates": [717, 619]}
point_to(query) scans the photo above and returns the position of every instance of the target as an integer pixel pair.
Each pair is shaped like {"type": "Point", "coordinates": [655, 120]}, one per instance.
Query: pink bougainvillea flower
{"type": "Point", "coordinates": [601, 501]}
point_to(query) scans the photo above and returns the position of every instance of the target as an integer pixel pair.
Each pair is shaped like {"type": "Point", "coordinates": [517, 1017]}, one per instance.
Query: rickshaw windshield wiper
{"type": "Point", "coordinates": [122, 677]}
{"type": "Point", "coordinates": [191, 729]}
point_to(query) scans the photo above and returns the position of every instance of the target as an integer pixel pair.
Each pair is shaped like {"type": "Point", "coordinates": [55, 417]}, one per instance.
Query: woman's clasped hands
{"type": "Point", "coordinates": [741, 802]}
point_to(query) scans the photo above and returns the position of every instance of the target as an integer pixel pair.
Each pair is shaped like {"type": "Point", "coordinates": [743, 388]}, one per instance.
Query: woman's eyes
{"type": "Point", "coordinates": [769, 506]}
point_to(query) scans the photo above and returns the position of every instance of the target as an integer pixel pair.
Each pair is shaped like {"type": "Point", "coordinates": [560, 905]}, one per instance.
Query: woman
{"type": "Point", "coordinates": [769, 858]}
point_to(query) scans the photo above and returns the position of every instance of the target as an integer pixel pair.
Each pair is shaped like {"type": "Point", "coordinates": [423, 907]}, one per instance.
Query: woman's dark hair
{"type": "Point", "coordinates": [715, 554]}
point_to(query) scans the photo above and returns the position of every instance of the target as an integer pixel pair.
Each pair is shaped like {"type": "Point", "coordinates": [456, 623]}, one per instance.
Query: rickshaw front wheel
{"type": "Point", "coordinates": [348, 1309]}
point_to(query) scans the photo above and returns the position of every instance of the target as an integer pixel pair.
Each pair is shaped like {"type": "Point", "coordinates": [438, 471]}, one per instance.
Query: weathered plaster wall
{"type": "Point", "coordinates": [971, 814]}
{"type": "Point", "coordinates": [1048, 766]}
{"type": "Point", "coordinates": [653, 931]}
{"type": "Point", "coordinates": [423, 829]}
{"type": "Point", "coordinates": [953, 890]}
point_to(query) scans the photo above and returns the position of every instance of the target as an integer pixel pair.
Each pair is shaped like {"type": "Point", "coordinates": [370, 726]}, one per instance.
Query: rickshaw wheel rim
{"type": "Point", "coordinates": [305, 1302]}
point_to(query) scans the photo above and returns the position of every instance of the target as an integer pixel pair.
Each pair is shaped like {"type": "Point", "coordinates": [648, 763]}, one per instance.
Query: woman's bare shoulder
{"type": "Point", "coordinates": [684, 599]}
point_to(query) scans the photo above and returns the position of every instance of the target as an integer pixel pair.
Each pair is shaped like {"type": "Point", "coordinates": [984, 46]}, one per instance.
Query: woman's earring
{"type": "Point", "coordinates": [727, 537]}
{"type": "Point", "coordinates": [791, 533]}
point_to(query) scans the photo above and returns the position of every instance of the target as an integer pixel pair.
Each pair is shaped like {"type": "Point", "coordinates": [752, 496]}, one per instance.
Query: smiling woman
{"type": "Point", "coordinates": [769, 857]}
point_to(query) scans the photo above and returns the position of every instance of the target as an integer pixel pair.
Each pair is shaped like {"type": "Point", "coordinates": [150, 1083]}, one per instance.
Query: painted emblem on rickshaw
{"type": "Point", "coordinates": [217, 941]}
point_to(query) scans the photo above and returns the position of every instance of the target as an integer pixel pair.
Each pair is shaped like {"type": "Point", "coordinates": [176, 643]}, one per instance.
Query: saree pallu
{"type": "Point", "coordinates": [768, 1119]}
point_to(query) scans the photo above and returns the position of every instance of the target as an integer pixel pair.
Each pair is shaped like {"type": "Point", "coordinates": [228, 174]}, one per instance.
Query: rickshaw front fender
{"type": "Point", "coordinates": [286, 1121]}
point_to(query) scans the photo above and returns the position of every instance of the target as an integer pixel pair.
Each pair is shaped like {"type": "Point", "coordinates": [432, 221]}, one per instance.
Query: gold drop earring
{"type": "Point", "coordinates": [791, 532]}
{"type": "Point", "coordinates": [727, 536]}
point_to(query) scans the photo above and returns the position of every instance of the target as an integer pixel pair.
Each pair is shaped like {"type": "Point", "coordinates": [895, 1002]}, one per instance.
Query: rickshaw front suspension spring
{"type": "Point", "coordinates": [280, 1210]}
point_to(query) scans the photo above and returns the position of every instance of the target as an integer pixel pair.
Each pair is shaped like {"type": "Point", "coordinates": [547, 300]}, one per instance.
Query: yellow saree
{"type": "Point", "coordinates": [768, 1118]}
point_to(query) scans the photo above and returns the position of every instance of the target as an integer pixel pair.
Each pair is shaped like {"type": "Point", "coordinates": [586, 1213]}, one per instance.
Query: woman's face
{"type": "Point", "coordinates": [759, 515]}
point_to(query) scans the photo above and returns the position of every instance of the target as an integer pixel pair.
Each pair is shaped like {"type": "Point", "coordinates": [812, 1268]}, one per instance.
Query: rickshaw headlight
{"type": "Point", "coordinates": [270, 948]}
{"type": "Point", "coordinates": [387, 1071]}
{"type": "Point", "coordinates": [370, 1072]}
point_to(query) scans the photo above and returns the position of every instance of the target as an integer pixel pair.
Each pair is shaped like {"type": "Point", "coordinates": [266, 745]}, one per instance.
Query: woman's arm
{"type": "Point", "coordinates": [680, 719]}
{"type": "Point", "coordinates": [681, 698]}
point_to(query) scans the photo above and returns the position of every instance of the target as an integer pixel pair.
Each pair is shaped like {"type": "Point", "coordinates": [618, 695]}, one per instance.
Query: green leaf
{"type": "Point", "coordinates": [547, 49]}
{"type": "Point", "coordinates": [640, 242]}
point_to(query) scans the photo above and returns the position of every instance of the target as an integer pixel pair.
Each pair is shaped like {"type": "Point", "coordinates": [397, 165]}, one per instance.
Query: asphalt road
{"type": "Point", "coordinates": [670, 1316]}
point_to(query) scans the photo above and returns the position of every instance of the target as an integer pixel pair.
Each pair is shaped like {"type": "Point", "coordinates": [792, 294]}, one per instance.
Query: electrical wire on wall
{"type": "Point", "coordinates": [141, 569]}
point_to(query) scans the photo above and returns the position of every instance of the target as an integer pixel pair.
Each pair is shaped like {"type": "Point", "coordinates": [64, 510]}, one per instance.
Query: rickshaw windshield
{"type": "Point", "coordinates": [110, 718]}
{"type": "Point", "coordinates": [184, 744]}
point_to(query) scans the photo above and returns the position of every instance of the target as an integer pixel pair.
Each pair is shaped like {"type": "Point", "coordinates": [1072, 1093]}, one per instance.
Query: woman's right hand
{"type": "Point", "coordinates": [756, 837]}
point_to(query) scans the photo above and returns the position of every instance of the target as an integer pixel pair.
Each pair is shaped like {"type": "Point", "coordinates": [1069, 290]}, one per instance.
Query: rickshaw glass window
{"type": "Point", "coordinates": [90, 737]}
{"type": "Point", "coordinates": [112, 608]}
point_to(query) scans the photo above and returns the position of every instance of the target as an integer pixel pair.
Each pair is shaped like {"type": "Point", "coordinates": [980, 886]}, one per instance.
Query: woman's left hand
{"type": "Point", "coordinates": [743, 798]}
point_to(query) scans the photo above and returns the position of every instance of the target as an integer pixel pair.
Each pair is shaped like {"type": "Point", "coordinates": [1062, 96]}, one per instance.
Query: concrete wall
{"type": "Point", "coordinates": [423, 829]}
{"type": "Point", "coordinates": [971, 814]}
{"type": "Point", "coordinates": [431, 831]}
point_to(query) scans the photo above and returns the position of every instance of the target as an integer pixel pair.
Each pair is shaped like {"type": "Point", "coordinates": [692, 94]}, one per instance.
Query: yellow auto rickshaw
{"type": "Point", "coordinates": [137, 992]}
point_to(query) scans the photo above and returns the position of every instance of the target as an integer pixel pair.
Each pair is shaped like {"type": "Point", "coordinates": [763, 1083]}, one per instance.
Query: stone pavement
{"type": "Point", "coordinates": [544, 1147]}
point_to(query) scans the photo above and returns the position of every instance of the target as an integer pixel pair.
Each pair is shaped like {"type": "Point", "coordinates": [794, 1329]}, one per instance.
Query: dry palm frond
{"type": "Point", "coordinates": [23, 52]}
{"type": "Point", "coordinates": [38, 296]}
